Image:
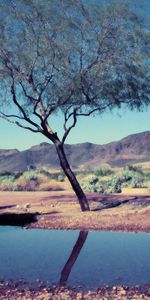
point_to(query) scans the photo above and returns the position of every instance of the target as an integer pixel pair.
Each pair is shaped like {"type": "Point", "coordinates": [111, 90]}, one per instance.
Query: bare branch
{"type": "Point", "coordinates": [10, 116]}
{"type": "Point", "coordinates": [71, 126]}
{"type": "Point", "coordinates": [25, 116]}
{"type": "Point", "coordinates": [29, 128]}
{"type": "Point", "coordinates": [45, 84]}
{"type": "Point", "coordinates": [26, 94]}
{"type": "Point", "coordinates": [66, 115]}
{"type": "Point", "coordinates": [19, 124]}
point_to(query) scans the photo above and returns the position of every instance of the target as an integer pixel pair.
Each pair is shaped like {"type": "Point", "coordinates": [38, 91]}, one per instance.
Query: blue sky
{"type": "Point", "coordinates": [99, 130]}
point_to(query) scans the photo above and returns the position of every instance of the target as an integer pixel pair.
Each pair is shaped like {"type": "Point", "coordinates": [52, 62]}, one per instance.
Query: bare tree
{"type": "Point", "coordinates": [73, 56]}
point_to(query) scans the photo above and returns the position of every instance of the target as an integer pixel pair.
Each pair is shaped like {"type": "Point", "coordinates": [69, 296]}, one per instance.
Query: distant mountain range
{"type": "Point", "coordinates": [131, 149]}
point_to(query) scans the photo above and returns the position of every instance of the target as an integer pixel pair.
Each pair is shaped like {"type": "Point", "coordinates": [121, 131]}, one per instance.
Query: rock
{"type": "Point", "coordinates": [26, 205]}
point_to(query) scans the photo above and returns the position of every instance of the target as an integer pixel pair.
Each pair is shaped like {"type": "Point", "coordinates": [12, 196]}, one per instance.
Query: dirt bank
{"type": "Point", "coordinates": [60, 210]}
{"type": "Point", "coordinates": [10, 291]}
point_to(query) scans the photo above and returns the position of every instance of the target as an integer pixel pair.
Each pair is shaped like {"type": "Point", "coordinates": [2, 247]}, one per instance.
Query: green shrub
{"type": "Point", "coordinates": [113, 185]}
{"type": "Point", "coordinates": [59, 176]}
{"type": "Point", "coordinates": [90, 183]}
{"type": "Point", "coordinates": [103, 172]}
{"type": "Point", "coordinates": [127, 178]}
{"type": "Point", "coordinates": [103, 180]}
{"type": "Point", "coordinates": [30, 175]}
{"type": "Point", "coordinates": [7, 179]}
{"type": "Point", "coordinates": [17, 175]}
{"type": "Point", "coordinates": [6, 173]}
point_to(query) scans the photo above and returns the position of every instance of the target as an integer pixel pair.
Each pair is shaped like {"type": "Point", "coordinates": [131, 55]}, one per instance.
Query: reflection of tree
{"type": "Point", "coordinates": [73, 257]}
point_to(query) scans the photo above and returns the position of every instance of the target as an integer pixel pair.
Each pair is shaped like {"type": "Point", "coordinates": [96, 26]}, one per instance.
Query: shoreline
{"type": "Point", "coordinates": [12, 290]}
{"type": "Point", "coordinates": [60, 210]}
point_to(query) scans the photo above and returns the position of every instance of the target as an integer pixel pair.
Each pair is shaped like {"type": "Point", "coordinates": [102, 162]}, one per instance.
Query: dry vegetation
{"type": "Point", "coordinates": [104, 179]}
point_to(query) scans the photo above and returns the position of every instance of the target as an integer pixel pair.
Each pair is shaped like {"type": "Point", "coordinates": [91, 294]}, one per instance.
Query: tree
{"type": "Point", "coordinates": [73, 257]}
{"type": "Point", "coordinates": [77, 57]}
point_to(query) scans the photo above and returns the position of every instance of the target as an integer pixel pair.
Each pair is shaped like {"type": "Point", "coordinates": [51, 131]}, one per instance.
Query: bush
{"type": "Point", "coordinates": [113, 185]}
{"type": "Point", "coordinates": [42, 179]}
{"type": "Point", "coordinates": [9, 186]}
{"type": "Point", "coordinates": [30, 175]}
{"type": "Point", "coordinates": [127, 178]}
{"type": "Point", "coordinates": [103, 172]}
{"type": "Point", "coordinates": [51, 186]}
{"type": "Point", "coordinates": [90, 183]}
{"type": "Point", "coordinates": [24, 184]}
{"type": "Point", "coordinates": [6, 182]}
{"type": "Point", "coordinates": [17, 175]}
{"type": "Point", "coordinates": [59, 176]}
{"type": "Point", "coordinates": [6, 173]}
{"type": "Point", "coordinates": [134, 169]}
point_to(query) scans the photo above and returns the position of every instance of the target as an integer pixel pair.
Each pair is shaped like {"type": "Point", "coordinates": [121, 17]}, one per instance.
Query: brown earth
{"type": "Point", "coordinates": [10, 292]}
{"type": "Point", "coordinates": [60, 210]}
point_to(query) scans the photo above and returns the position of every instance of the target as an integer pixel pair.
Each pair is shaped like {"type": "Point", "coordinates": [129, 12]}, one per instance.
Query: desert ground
{"type": "Point", "coordinates": [61, 210]}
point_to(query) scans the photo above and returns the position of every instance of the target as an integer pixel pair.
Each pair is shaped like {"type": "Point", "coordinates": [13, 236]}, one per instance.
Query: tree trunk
{"type": "Point", "coordinates": [71, 177]}
{"type": "Point", "coordinates": [73, 257]}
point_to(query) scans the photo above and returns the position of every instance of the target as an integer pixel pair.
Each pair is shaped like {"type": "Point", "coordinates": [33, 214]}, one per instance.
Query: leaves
{"type": "Point", "coordinates": [87, 58]}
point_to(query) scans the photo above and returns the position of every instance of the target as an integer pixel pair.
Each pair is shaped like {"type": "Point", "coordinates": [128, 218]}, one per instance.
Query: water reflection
{"type": "Point", "coordinates": [73, 257]}
{"type": "Point", "coordinates": [61, 257]}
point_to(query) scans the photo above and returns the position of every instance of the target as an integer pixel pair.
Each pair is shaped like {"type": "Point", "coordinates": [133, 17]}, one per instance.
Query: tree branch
{"type": "Point", "coordinates": [71, 126]}
{"type": "Point", "coordinates": [26, 118]}
{"type": "Point", "coordinates": [10, 116]}
{"type": "Point", "coordinates": [19, 124]}
{"type": "Point", "coordinates": [5, 58]}
{"type": "Point", "coordinates": [25, 93]}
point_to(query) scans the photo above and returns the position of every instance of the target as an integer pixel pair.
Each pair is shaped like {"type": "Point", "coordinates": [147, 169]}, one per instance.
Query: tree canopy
{"type": "Point", "coordinates": [80, 58]}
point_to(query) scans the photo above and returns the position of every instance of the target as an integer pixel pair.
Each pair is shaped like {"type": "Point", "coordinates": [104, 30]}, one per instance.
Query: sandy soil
{"type": "Point", "coordinates": [60, 210]}
{"type": "Point", "coordinates": [10, 292]}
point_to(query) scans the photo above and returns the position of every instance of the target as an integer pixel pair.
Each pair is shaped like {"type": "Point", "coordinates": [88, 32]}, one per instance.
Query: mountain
{"type": "Point", "coordinates": [131, 149]}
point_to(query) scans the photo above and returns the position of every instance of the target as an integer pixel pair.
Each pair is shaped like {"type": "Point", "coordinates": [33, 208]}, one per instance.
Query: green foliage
{"type": "Point", "coordinates": [111, 68]}
{"type": "Point", "coordinates": [130, 176]}
{"type": "Point", "coordinates": [7, 181]}
{"type": "Point", "coordinates": [6, 173]}
{"type": "Point", "coordinates": [31, 180]}
{"type": "Point", "coordinates": [59, 176]}
{"type": "Point", "coordinates": [7, 178]}
{"type": "Point", "coordinates": [105, 171]}
{"type": "Point", "coordinates": [17, 174]}
{"type": "Point", "coordinates": [90, 183]}
{"type": "Point", "coordinates": [113, 185]}
{"type": "Point", "coordinates": [103, 180]}
{"type": "Point", "coordinates": [30, 175]}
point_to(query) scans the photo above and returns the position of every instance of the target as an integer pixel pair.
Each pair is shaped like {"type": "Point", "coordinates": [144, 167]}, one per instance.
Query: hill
{"type": "Point", "coordinates": [134, 148]}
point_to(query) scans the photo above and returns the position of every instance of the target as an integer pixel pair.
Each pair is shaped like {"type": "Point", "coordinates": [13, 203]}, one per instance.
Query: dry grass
{"type": "Point", "coordinates": [136, 191]}
{"type": "Point", "coordinates": [144, 165]}
{"type": "Point", "coordinates": [51, 186]}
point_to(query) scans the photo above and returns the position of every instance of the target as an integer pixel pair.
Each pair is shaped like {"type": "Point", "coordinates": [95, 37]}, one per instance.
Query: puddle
{"type": "Point", "coordinates": [75, 258]}
{"type": "Point", "coordinates": [17, 219]}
